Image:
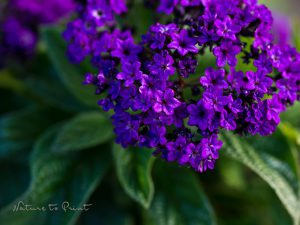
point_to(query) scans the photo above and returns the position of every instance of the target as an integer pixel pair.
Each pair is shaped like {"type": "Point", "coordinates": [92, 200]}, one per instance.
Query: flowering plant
{"type": "Point", "coordinates": [159, 98]}
{"type": "Point", "coordinates": [187, 81]}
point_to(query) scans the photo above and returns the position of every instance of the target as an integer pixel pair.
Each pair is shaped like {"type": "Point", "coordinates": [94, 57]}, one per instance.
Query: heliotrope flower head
{"type": "Point", "coordinates": [163, 99]}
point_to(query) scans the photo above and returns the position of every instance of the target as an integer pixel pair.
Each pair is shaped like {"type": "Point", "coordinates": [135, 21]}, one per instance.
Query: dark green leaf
{"type": "Point", "coordinates": [19, 130]}
{"type": "Point", "coordinates": [263, 165]}
{"type": "Point", "coordinates": [71, 75]}
{"type": "Point", "coordinates": [8, 81]}
{"type": "Point", "coordinates": [57, 178]}
{"type": "Point", "coordinates": [14, 181]}
{"type": "Point", "coordinates": [145, 19]}
{"type": "Point", "coordinates": [105, 212]}
{"type": "Point", "coordinates": [84, 131]}
{"type": "Point", "coordinates": [179, 199]}
{"type": "Point", "coordinates": [44, 82]}
{"type": "Point", "coordinates": [134, 167]}
{"type": "Point", "coordinates": [292, 115]}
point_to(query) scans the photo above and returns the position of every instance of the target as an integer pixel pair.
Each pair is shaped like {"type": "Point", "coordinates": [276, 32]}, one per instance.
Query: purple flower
{"type": "Point", "coordinates": [99, 80]}
{"type": "Point", "coordinates": [187, 66]}
{"type": "Point", "coordinates": [236, 106]}
{"type": "Point", "coordinates": [188, 153]}
{"type": "Point", "coordinates": [128, 98]}
{"type": "Point", "coordinates": [183, 43]}
{"type": "Point", "coordinates": [165, 102]}
{"type": "Point", "coordinates": [275, 107]}
{"type": "Point", "coordinates": [126, 128]}
{"type": "Point", "coordinates": [236, 80]}
{"type": "Point", "coordinates": [262, 37]}
{"type": "Point", "coordinates": [180, 114]}
{"type": "Point", "coordinates": [165, 29]}
{"type": "Point", "coordinates": [200, 115]}
{"type": "Point", "coordinates": [48, 12]}
{"type": "Point", "coordinates": [118, 6]}
{"type": "Point", "coordinates": [209, 153]}
{"type": "Point", "coordinates": [163, 65]}
{"type": "Point", "coordinates": [287, 89]}
{"type": "Point", "coordinates": [207, 36]}
{"type": "Point", "coordinates": [130, 73]}
{"type": "Point", "coordinates": [155, 136]}
{"type": "Point", "coordinates": [167, 6]}
{"type": "Point", "coordinates": [107, 104]}
{"type": "Point", "coordinates": [227, 28]}
{"type": "Point", "coordinates": [226, 52]}
{"type": "Point", "coordinates": [263, 63]}
{"type": "Point", "coordinates": [214, 99]}
{"type": "Point", "coordinates": [158, 41]}
{"type": "Point", "coordinates": [114, 90]}
{"type": "Point", "coordinates": [191, 2]}
{"type": "Point", "coordinates": [79, 43]}
{"type": "Point", "coordinates": [214, 78]}
{"type": "Point", "coordinates": [210, 147]}
{"type": "Point", "coordinates": [126, 50]}
{"type": "Point", "coordinates": [282, 29]}
{"type": "Point", "coordinates": [99, 13]}
{"type": "Point", "coordinates": [18, 37]}
{"type": "Point", "coordinates": [228, 120]}
{"type": "Point", "coordinates": [173, 149]}
{"type": "Point", "coordinates": [153, 86]}
{"type": "Point", "coordinates": [258, 81]}
{"type": "Point", "coordinates": [20, 22]}
{"type": "Point", "coordinates": [143, 102]}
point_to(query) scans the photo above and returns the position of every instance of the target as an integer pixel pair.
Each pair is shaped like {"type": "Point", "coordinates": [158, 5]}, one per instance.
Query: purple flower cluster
{"type": "Point", "coordinates": [158, 98]}
{"type": "Point", "coordinates": [83, 33]}
{"type": "Point", "coordinates": [20, 20]}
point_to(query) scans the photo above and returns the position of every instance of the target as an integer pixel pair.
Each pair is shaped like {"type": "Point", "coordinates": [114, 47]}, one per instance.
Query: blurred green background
{"type": "Point", "coordinates": [50, 152]}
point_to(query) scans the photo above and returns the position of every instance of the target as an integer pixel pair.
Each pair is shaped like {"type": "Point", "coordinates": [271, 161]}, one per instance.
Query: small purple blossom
{"type": "Point", "coordinates": [214, 78]}
{"type": "Point", "coordinates": [99, 13]}
{"type": "Point", "coordinates": [173, 149]}
{"type": "Point", "coordinates": [258, 81]}
{"type": "Point", "coordinates": [167, 6]}
{"type": "Point", "coordinates": [126, 50]}
{"type": "Point", "coordinates": [275, 107]}
{"type": "Point", "coordinates": [165, 102]}
{"type": "Point", "coordinates": [183, 43]}
{"type": "Point", "coordinates": [200, 115]}
{"type": "Point", "coordinates": [215, 99]}
{"type": "Point", "coordinates": [163, 65]}
{"type": "Point", "coordinates": [227, 52]}
{"type": "Point", "coordinates": [227, 28]}
{"type": "Point", "coordinates": [130, 73]}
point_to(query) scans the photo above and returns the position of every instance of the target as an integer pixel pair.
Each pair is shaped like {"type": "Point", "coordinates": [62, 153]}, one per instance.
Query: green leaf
{"type": "Point", "coordinates": [86, 176]}
{"type": "Point", "coordinates": [179, 199]}
{"type": "Point", "coordinates": [141, 25]}
{"type": "Point", "coordinates": [19, 130]}
{"type": "Point", "coordinates": [71, 75]}
{"type": "Point", "coordinates": [292, 115]}
{"type": "Point", "coordinates": [14, 178]}
{"type": "Point", "coordinates": [84, 131]}
{"type": "Point", "coordinates": [44, 82]}
{"type": "Point", "coordinates": [268, 169]}
{"type": "Point", "coordinates": [296, 33]}
{"type": "Point", "coordinates": [134, 167]}
{"type": "Point", "coordinates": [57, 178]}
{"type": "Point", "coordinates": [8, 81]}
{"type": "Point", "coordinates": [106, 211]}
